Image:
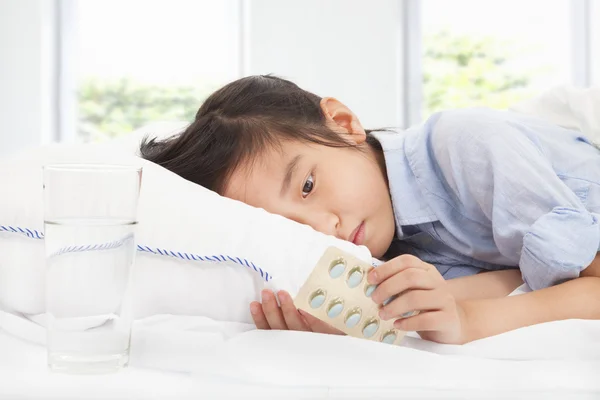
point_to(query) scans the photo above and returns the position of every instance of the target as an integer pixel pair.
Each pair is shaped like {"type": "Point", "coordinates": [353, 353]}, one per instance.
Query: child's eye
{"type": "Point", "coordinates": [308, 186]}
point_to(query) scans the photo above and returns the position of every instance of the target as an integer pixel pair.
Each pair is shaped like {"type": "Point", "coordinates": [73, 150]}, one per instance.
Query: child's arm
{"type": "Point", "coordinates": [269, 315]}
{"type": "Point", "coordinates": [486, 285]}
{"type": "Point", "coordinates": [448, 315]}
{"type": "Point", "coordinates": [594, 268]}
{"type": "Point", "coordinates": [497, 171]}
{"type": "Point", "coordinates": [575, 299]}
{"type": "Point", "coordinates": [444, 319]}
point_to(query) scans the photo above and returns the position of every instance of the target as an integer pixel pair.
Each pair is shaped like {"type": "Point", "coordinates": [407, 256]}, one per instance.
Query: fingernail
{"type": "Point", "coordinates": [254, 308]}
{"type": "Point", "coordinates": [282, 295]}
{"type": "Point", "coordinates": [372, 277]}
{"type": "Point", "coordinates": [265, 295]}
{"type": "Point", "coordinates": [375, 298]}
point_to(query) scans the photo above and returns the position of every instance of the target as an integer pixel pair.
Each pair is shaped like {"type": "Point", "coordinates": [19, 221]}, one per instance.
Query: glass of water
{"type": "Point", "coordinates": [90, 215]}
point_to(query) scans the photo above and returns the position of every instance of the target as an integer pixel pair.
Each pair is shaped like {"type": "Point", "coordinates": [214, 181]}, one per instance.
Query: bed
{"type": "Point", "coordinates": [192, 356]}
{"type": "Point", "coordinates": [197, 357]}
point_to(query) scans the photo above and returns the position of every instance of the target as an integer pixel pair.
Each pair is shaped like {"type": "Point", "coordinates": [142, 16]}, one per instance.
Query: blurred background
{"type": "Point", "coordinates": [90, 70]}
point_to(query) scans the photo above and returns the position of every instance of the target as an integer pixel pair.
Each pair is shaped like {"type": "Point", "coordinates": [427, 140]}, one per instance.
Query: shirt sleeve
{"type": "Point", "coordinates": [459, 271]}
{"type": "Point", "coordinates": [498, 171]}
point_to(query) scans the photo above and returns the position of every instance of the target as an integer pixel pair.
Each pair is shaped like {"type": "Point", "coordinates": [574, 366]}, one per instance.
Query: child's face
{"type": "Point", "coordinates": [338, 191]}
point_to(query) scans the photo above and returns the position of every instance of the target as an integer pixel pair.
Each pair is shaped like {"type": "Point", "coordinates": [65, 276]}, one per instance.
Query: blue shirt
{"type": "Point", "coordinates": [479, 189]}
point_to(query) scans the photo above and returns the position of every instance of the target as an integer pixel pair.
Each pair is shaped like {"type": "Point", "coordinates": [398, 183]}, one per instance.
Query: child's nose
{"type": "Point", "coordinates": [327, 223]}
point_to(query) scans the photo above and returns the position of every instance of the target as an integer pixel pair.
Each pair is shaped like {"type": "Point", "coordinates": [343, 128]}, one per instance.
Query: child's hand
{"type": "Point", "coordinates": [269, 315]}
{"type": "Point", "coordinates": [419, 287]}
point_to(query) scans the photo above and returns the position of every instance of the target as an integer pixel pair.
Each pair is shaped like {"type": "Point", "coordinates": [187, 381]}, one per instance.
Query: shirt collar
{"type": "Point", "coordinates": [410, 206]}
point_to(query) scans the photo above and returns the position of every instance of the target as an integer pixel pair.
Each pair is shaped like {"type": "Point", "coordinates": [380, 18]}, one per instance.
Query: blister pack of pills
{"type": "Point", "coordinates": [338, 293]}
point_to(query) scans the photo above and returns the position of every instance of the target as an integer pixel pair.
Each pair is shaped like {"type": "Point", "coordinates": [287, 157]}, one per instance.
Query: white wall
{"type": "Point", "coordinates": [26, 110]}
{"type": "Point", "coordinates": [595, 42]}
{"type": "Point", "coordinates": [348, 49]}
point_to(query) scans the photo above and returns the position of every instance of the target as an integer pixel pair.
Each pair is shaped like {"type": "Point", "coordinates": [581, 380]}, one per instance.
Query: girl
{"type": "Point", "coordinates": [470, 191]}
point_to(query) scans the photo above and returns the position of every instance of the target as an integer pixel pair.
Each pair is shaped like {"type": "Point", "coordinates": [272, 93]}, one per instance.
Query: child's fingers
{"type": "Point", "coordinates": [429, 321]}
{"type": "Point", "coordinates": [410, 278]}
{"type": "Point", "coordinates": [272, 311]}
{"type": "Point", "coordinates": [292, 317]}
{"type": "Point", "coordinates": [318, 326]}
{"type": "Point", "coordinates": [415, 300]}
{"type": "Point", "coordinates": [258, 316]}
{"type": "Point", "coordinates": [392, 267]}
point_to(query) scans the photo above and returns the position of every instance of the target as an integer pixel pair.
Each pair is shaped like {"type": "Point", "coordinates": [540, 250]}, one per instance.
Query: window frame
{"type": "Point", "coordinates": [409, 93]}
{"type": "Point", "coordinates": [580, 23]}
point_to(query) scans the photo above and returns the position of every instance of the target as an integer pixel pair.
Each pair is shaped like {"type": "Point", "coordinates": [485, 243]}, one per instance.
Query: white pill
{"type": "Point", "coordinates": [355, 277]}
{"type": "Point", "coordinates": [389, 337]}
{"type": "Point", "coordinates": [370, 289]}
{"type": "Point", "coordinates": [317, 299]}
{"type": "Point", "coordinates": [352, 319]}
{"type": "Point", "coordinates": [370, 329]}
{"type": "Point", "coordinates": [337, 269]}
{"type": "Point", "coordinates": [335, 309]}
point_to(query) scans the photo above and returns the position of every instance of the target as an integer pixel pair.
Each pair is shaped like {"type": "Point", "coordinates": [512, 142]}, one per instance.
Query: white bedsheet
{"type": "Point", "coordinates": [23, 375]}
{"type": "Point", "coordinates": [195, 357]}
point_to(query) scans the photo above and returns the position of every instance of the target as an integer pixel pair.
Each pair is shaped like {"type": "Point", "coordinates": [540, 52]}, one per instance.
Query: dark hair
{"type": "Point", "coordinates": [236, 123]}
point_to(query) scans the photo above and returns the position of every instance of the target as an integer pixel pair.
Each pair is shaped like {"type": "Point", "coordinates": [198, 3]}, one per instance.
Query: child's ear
{"type": "Point", "coordinates": [341, 119]}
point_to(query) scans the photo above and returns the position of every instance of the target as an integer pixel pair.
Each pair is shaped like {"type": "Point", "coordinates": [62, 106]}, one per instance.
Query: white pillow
{"type": "Point", "coordinates": [567, 106]}
{"type": "Point", "coordinates": [239, 244]}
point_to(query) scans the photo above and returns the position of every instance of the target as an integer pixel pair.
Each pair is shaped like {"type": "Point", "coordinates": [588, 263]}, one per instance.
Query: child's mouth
{"type": "Point", "coordinates": [358, 235]}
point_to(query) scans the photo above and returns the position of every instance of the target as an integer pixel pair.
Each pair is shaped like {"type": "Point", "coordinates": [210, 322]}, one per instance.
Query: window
{"type": "Point", "coordinates": [492, 53]}
{"type": "Point", "coordinates": [137, 63]}
{"type": "Point", "coordinates": [140, 61]}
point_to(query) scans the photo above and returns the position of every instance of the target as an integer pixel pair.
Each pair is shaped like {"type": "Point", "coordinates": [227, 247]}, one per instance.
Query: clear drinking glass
{"type": "Point", "coordinates": [90, 215]}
